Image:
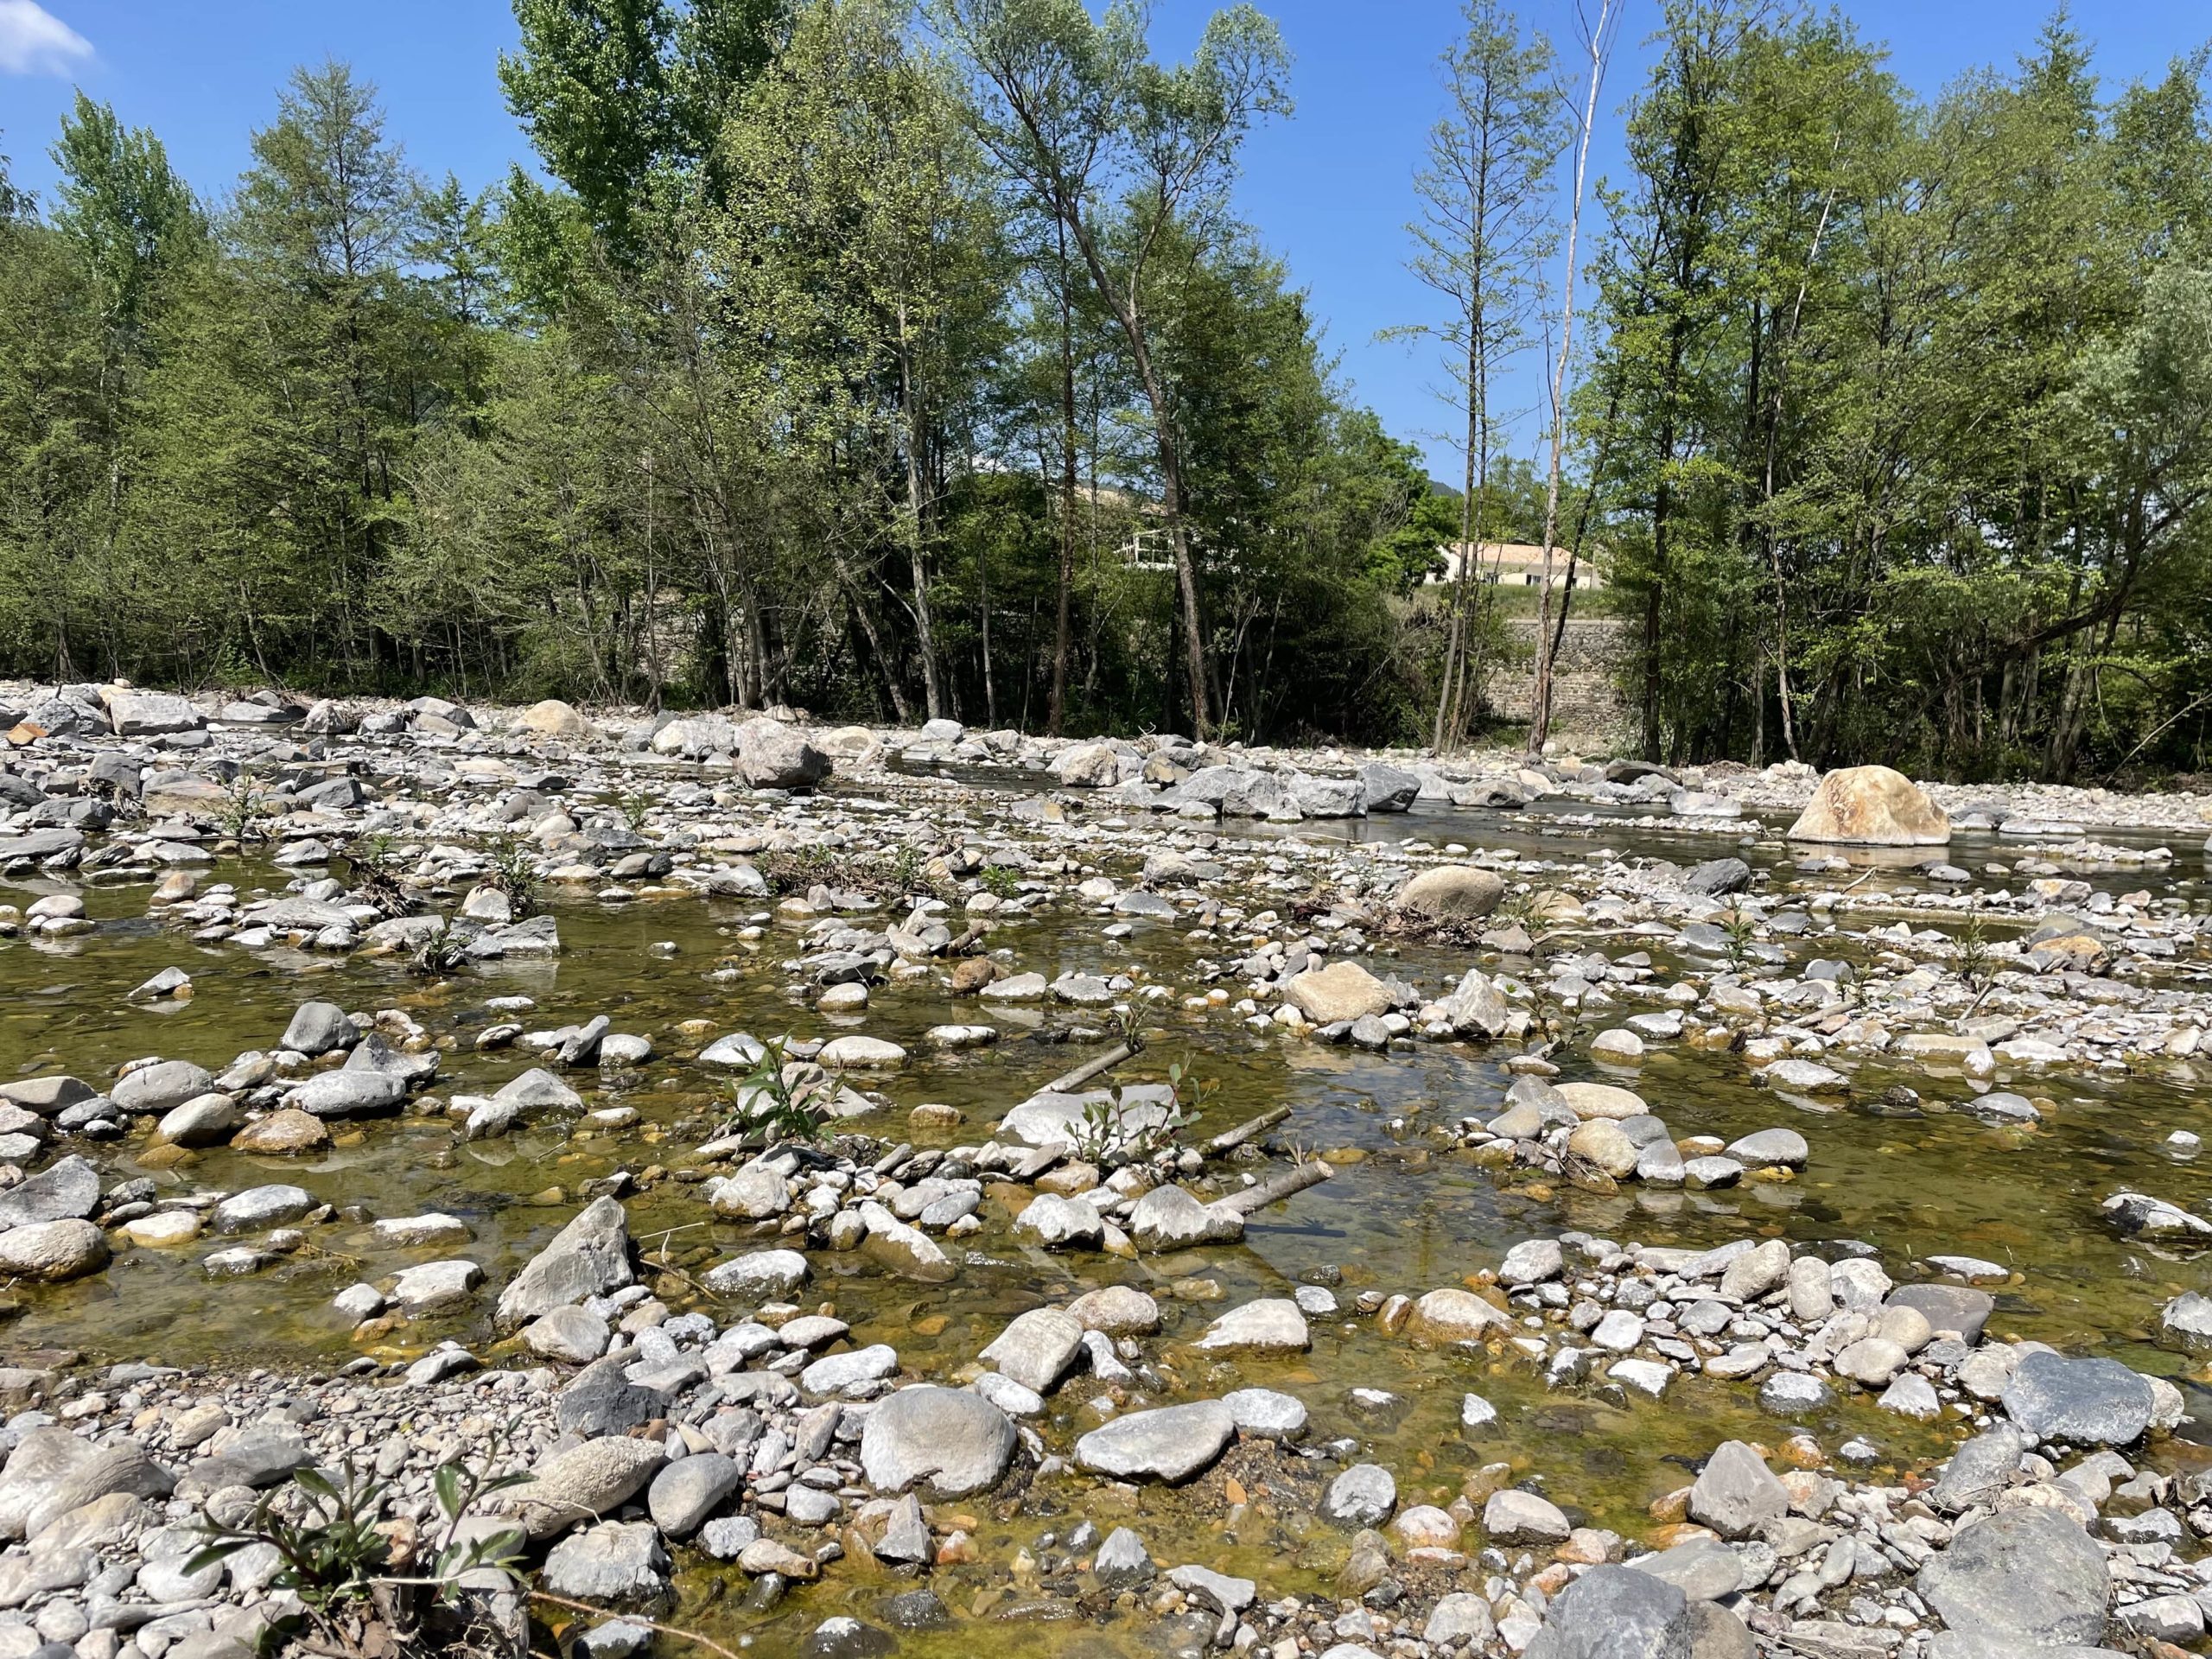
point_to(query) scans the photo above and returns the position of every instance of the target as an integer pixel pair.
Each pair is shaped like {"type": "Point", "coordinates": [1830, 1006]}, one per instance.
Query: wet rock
{"type": "Point", "coordinates": [951, 1442]}
{"type": "Point", "coordinates": [1342, 991]}
{"type": "Point", "coordinates": [67, 1189]}
{"type": "Point", "coordinates": [760, 1276]}
{"type": "Point", "coordinates": [288, 1133]}
{"type": "Point", "coordinates": [1266, 1414]}
{"type": "Point", "coordinates": [346, 1094]}
{"type": "Point", "coordinates": [1037, 1348]}
{"type": "Point", "coordinates": [1615, 1613]}
{"type": "Point", "coordinates": [1454, 1315]}
{"type": "Point", "coordinates": [1271, 1325]}
{"type": "Point", "coordinates": [2080, 1401]}
{"type": "Point", "coordinates": [1123, 1559]}
{"type": "Point", "coordinates": [52, 1251]}
{"type": "Point", "coordinates": [318, 1028]}
{"type": "Point", "coordinates": [1169, 1443]}
{"type": "Point", "coordinates": [1363, 1496]}
{"type": "Point", "coordinates": [160, 1087]}
{"type": "Point", "coordinates": [1719, 875]}
{"type": "Point", "coordinates": [2027, 1575]}
{"type": "Point", "coordinates": [1515, 1517]}
{"type": "Point", "coordinates": [1118, 1310]}
{"type": "Point", "coordinates": [846, 1637]}
{"type": "Point", "coordinates": [259, 1207]}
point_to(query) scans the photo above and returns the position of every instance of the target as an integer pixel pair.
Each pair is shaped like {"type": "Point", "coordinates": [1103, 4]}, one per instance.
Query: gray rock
{"type": "Point", "coordinates": [1169, 1443]}
{"type": "Point", "coordinates": [160, 1087]}
{"type": "Point", "coordinates": [1718, 876]}
{"type": "Point", "coordinates": [66, 1191]}
{"type": "Point", "coordinates": [2028, 1574]}
{"type": "Point", "coordinates": [1948, 1308]}
{"type": "Point", "coordinates": [905, 1540]}
{"type": "Point", "coordinates": [1121, 1559]}
{"type": "Point", "coordinates": [617, 1561]}
{"type": "Point", "coordinates": [588, 1257]}
{"type": "Point", "coordinates": [760, 1276]}
{"type": "Point", "coordinates": [1363, 1496]}
{"type": "Point", "coordinates": [584, 1482]}
{"type": "Point", "coordinates": [1703, 1569]}
{"type": "Point", "coordinates": [1980, 1470]}
{"type": "Point", "coordinates": [1514, 1516]}
{"type": "Point", "coordinates": [575, 1336]}
{"type": "Point", "coordinates": [1735, 1493]}
{"type": "Point", "coordinates": [1615, 1613]}
{"type": "Point", "coordinates": [951, 1441]}
{"type": "Point", "coordinates": [346, 1094]}
{"type": "Point", "coordinates": [688, 1491]}
{"type": "Point", "coordinates": [1037, 1348]}
{"type": "Point", "coordinates": [317, 1028]}
{"type": "Point", "coordinates": [262, 1206]}
{"type": "Point", "coordinates": [2082, 1401]}
{"type": "Point", "coordinates": [1266, 1414]}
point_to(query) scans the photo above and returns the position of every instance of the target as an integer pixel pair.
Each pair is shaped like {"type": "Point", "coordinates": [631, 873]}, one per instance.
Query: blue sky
{"type": "Point", "coordinates": [1329, 190]}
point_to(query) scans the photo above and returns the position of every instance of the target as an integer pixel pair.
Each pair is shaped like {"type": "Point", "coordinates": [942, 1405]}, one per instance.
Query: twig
{"type": "Point", "coordinates": [654, 1625]}
{"type": "Point", "coordinates": [1291, 1181]}
{"type": "Point", "coordinates": [1068, 1082]}
{"type": "Point", "coordinates": [1230, 1140]}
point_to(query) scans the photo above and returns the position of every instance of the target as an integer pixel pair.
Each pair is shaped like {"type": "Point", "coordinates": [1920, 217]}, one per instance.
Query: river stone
{"type": "Point", "coordinates": [1532, 1261]}
{"type": "Point", "coordinates": [52, 1251]}
{"type": "Point", "coordinates": [263, 1206]}
{"type": "Point", "coordinates": [553, 718]}
{"type": "Point", "coordinates": [317, 1028]}
{"type": "Point", "coordinates": [1118, 1310]}
{"type": "Point", "coordinates": [2029, 1575]}
{"type": "Point", "coordinates": [1615, 1613]}
{"type": "Point", "coordinates": [283, 1133]}
{"type": "Point", "coordinates": [1363, 1496]}
{"type": "Point", "coordinates": [1590, 1100]}
{"type": "Point", "coordinates": [1513, 1517]}
{"type": "Point", "coordinates": [436, 1284]}
{"type": "Point", "coordinates": [1266, 1414]}
{"type": "Point", "coordinates": [688, 1491]}
{"type": "Point", "coordinates": [616, 1561]}
{"type": "Point", "coordinates": [1735, 1493]}
{"type": "Point", "coordinates": [574, 1336]}
{"type": "Point", "coordinates": [1169, 1217]}
{"type": "Point", "coordinates": [1170, 1443]}
{"type": "Point", "coordinates": [772, 755]}
{"type": "Point", "coordinates": [1270, 1326]}
{"type": "Point", "coordinates": [588, 1257]}
{"type": "Point", "coordinates": [1948, 1308]}
{"type": "Point", "coordinates": [762, 1276]}
{"type": "Point", "coordinates": [67, 1190]}
{"type": "Point", "coordinates": [1704, 1569]}
{"type": "Point", "coordinates": [1872, 806]}
{"type": "Point", "coordinates": [1751, 1275]}
{"type": "Point", "coordinates": [1454, 1315]}
{"type": "Point", "coordinates": [583, 1482]}
{"type": "Point", "coordinates": [753, 1194]}
{"type": "Point", "coordinates": [1123, 1559]}
{"type": "Point", "coordinates": [1979, 1471]}
{"type": "Point", "coordinates": [1037, 1348]}
{"type": "Point", "coordinates": [539, 1090]}
{"type": "Point", "coordinates": [346, 1094]}
{"type": "Point", "coordinates": [1769, 1147]}
{"type": "Point", "coordinates": [1343, 990]}
{"type": "Point", "coordinates": [1461, 1617]}
{"type": "Point", "coordinates": [160, 1087]}
{"type": "Point", "coordinates": [953, 1442]}
{"type": "Point", "coordinates": [203, 1121]}
{"type": "Point", "coordinates": [48, 1095]}
{"type": "Point", "coordinates": [2082, 1401]}
{"type": "Point", "coordinates": [1058, 1223]}
{"type": "Point", "coordinates": [1451, 893]}
{"type": "Point", "coordinates": [2188, 1320]}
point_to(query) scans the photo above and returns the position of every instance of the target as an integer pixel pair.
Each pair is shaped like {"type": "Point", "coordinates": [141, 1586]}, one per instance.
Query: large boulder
{"type": "Point", "coordinates": [1343, 990]}
{"type": "Point", "coordinates": [1386, 788]}
{"type": "Point", "coordinates": [2082, 1401]}
{"type": "Point", "coordinates": [2030, 1578]}
{"type": "Point", "coordinates": [151, 714]}
{"type": "Point", "coordinates": [1735, 1493]}
{"type": "Point", "coordinates": [1169, 1443]}
{"type": "Point", "coordinates": [51, 1251]}
{"type": "Point", "coordinates": [953, 1442]}
{"type": "Point", "coordinates": [771, 755]}
{"type": "Point", "coordinates": [1087, 765]}
{"type": "Point", "coordinates": [584, 1483]}
{"type": "Point", "coordinates": [553, 718]}
{"type": "Point", "coordinates": [588, 1257]}
{"type": "Point", "coordinates": [1872, 806]}
{"type": "Point", "coordinates": [67, 1189]}
{"type": "Point", "coordinates": [1452, 893]}
{"type": "Point", "coordinates": [1616, 1612]}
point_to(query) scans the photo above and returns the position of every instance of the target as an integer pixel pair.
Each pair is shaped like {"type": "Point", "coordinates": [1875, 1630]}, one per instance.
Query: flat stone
{"type": "Point", "coordinates": [950, 1441]}
{"type": "Point", "coordinates": [1169, 1443]}
{"type": "Point", "coordinates": [2029, 1575]}
{"type": "Point", "coordinates": [2082, 1401]}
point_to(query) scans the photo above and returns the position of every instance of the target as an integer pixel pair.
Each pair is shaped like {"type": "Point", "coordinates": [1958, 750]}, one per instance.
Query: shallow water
{"type": "Point", "coordinates": [1403, 1213]}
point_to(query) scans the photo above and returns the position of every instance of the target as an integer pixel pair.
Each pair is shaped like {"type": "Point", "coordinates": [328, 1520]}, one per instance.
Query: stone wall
{"type": "Point", "coordinates": [1587, 707]}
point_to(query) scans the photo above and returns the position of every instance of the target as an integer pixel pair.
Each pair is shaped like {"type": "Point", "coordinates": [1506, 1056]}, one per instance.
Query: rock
{"type": "Point", "coordinates": [346, 1094]}
{"type": "Point", "coordinates": [1343, 990]}
{"type": "Point", "coordinates": [952, 1442]}
{"type": "Point", "coordinates": [1087, 765]}
{"type": "Point", "coordinates": [1169, 1217]}
{"type": "Point", "coordinates": [905, 1540]}
{"type": "Point", "coordinates": [616, 1561]}
{"type": "Point", "coordinates": [1615, 1613]}
{"type": "Point", "coordinates": [1475, 1007]}
{"type": "Point", "coordinates": [1514, 1516]}
{"type": "Point", "coordinates": [318, 1028]}
{"type": "Point", "coordinates": [760, 1276]}
{"type": "Point", "coordinates": [1037, 1348]}
{"type": "Point", "coordinates": [1532, 1261]}
{"type": "Point", "coordinates": [262, 1206]}
{"type": "Point", "coordinates": [436, 1284]}
{"type": "Point", "coordinates": [553, 718]}
{"type": "Point", "coordinates": [1451, 893]}
{"type": "Point", "coordinates": [1363, 1496]}
{"type": "Point", "coordinates": [590, 1256]}
{"type": "Point", "coordinates": [67, 1189]}
{"type": "Point", "coordinates": [2027, 1575]}
{"type": "Point", "coordinates": [584, 1482]}
{"type": "Point", "coordinates": [1169, 1443]}
{"type": "Point", "coordinates": [1948, 1308]}
{"type": "Point", "coordinates": [1118, 1310]}
{"type": "Point", "coordinates": [1266, 1414]}
{"type": "Point", "coordinates": [851, 1374]}
{"type": "Point", "coordinates": [685, 1494]}
{"type": "Point", "coordinates": [204, 1120]}
{"type": "Point", "coordinates": [574, 1336]}
{"type": "Point", "coordinates": [151, 714]}
{"type": "Point", "coordinates": [52, 1251]}
{"type": "Point", "coordinates": [1785, 1148]}
{"type": "Point", "coordinates": [1979, 1470]}
{"type": "Point", "coordinates": [2080, 1401]}
{"type": "Point", "coordinates": [1271, 1325]}
{"type": "Point", "coordinates": [284, 1134]}
{"type": "Point", "coordinates": [160, 1087]}
{"type": "Point", "coordinates": [2188, 1320]}
{"type": "Point", "coordinates": [772, 755]}
{"type": "Point", "coordinates": [1121, 1559]}
{"type": "Point", "coordinates": [1756, 1272]}
{"type": "Point", "coordinates": [1589, 1100]}
{"type": "Point", "coordinates": [1454, 1315]}
{"type": "Point", "coordinates": [539, 1090]}
{"type": "Point", "coordinates": [1735, 1493]}
{"type": "Point", "coordinates": [1702, 1568]}
{"type": "Point", "coordinates": [1601, 1142]}
{"type": "Point", "coordinates": [1388, 789]}
{"type": "Point", "coordinates": [1872, 806]}
{"type": "Point", "coordinates": [1060, 1223]}
{"type": "Point", "coordinates": [846, 1637]}
{"type": "Point", "coordinates": [755, 1193]}
{"type": "Point", "coordinates": [1718, 876]}
{"type": "Point", "coordinates": [1460, 1618]}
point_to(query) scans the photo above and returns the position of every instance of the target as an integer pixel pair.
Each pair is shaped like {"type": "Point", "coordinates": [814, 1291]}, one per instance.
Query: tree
{"type": "Point", "coordinates": [1485, 228]}
{"type": "Point", "coordinates": [1078, 110]}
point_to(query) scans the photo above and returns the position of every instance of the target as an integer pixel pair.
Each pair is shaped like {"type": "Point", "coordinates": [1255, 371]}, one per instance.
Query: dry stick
{"type": "Point", "coordinates": [1068, 1082]}
{"type": "Point", "coordinates": [1290, 1183]}
{"type": "Point", "coordinates": [1231, 1139]}
{"type": "Point", "coordinates": [654, 1625]}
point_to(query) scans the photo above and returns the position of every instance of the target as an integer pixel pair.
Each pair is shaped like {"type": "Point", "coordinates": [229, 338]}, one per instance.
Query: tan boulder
{"type": "Point", "coordinates": [1872, 806]}
{"type": "Point", "coordinates": [1454, 1315]}
{"type": "Point", "coordinates": [553, 718]}
{"type": "Point", "coordinates": [283, 1133]}
{"type": "Point", "coordinates": [1603, 1100]}
{"type": "Point", "coordinates": [1343, 990]}
{"type": "Point", "coordinates": [1452, 893]}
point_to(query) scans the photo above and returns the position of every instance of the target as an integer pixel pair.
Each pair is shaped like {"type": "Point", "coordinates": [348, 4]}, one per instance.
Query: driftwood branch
{"type": "Point", "coordinates": [1230, 1140]}
{"type": "Point", "coordinates": [653, 1625]}
{"type": "Point", "coordinates": [1291, 1181]}
{"type": "Point", "coordinates": [1068, 1082]}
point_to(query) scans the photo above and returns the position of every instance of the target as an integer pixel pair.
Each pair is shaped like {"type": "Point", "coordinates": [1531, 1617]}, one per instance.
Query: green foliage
{"type": "Point", "coordinates": [771, 1103]}
{"type": "Point", "coordinates": [513, 870]}
{"type": "Point", "coordinates": [1000, 881]}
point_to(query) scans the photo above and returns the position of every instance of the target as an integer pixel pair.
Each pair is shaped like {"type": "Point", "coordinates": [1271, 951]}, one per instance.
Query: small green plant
{"type": "Point", "coordinates": [635, 806]}
{"type": "Point", "coordinates": [1976, 962]}
{"type": "Point", "coordinates": [377, 876]}
{"type": "Point", "coordinates": [353, 1597]}
{"type": "Point", "coordinates": [767, 1100]}
{"type": "Point", "coordinates": [908, 874]}
{"type": "Point", "coordinates": [513, 871]}
{"type": "Point", "coordinates": [441, 953]}
{"type": "Point", "coordinates": [1111, 1132]}
{"type": "Point", "coordinates": [1741, 929]}
{"type": "Point", "coordinates": [1000, 881]}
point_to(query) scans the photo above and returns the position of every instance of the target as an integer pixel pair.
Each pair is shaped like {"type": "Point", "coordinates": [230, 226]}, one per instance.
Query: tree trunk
{"type": "Point", "coordinates": [1055, 711]}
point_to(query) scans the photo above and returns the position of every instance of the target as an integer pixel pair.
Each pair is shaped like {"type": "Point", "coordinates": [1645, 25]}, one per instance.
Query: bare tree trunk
{"type": "Point", "coordinates": [1540, 711]}
{"type": "Point", "coordinates": [917, 436]}
{"type": "Point", "coordinates": [1056, 711]}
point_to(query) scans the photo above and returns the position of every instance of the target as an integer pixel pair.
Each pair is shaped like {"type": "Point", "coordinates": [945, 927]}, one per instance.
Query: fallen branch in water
{"type": "Point", "coordinates": [1068, 1082]}
{"type": "Point", "coordinates": [654, 1625]}
{"type": "Point", "coordinates": [1295, 1179]}
{"type": "Point", "coordinates": [1230, 1140]}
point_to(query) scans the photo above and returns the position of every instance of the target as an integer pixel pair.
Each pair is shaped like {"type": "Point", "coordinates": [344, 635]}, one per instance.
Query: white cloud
{"type": "Point", "coordinates": [34, 42]}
